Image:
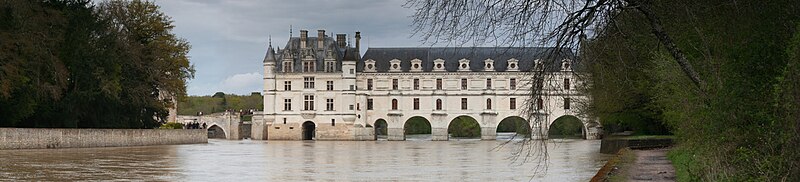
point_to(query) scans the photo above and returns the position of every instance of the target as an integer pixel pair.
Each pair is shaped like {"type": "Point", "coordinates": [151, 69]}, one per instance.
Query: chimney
{"type": "Point", "coordinates": [321, 39]}
{"type": "Point", "coordinates": [303, 38]}
{"type": "Point", "coordinates": [341, 39]}
{"type": "Point", "coordinates": [358, 41]}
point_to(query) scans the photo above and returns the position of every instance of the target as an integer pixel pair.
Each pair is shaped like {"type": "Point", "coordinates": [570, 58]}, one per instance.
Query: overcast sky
{"type": "Point", "coordinates": [229, 37]}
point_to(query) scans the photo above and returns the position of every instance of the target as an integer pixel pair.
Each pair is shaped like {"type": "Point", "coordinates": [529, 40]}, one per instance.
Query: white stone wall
{"type": "Point", "coordinates": [349, 120]}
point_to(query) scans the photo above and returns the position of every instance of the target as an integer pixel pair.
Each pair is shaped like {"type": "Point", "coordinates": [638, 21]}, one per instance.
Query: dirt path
{"type": "Point", "coordinates": [651, 165]}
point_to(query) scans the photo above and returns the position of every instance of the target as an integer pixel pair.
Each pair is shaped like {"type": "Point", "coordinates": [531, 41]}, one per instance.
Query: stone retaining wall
{"type": "Point", "coordinates": [41, 138]}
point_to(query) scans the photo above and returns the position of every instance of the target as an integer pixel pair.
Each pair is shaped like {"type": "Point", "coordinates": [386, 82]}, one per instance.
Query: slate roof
{"type": "Point", "coordinates": [550, 56]}
{"type": "Point", "coordinates": [294, 52]}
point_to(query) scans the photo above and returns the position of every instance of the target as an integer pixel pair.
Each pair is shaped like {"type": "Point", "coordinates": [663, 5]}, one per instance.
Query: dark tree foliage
{"type": "Point", "coordinates": [464, 126]}
{"type": "Point", "coordinates": [739, 127]}
{"type": "Point", "coordinates": [71, 63]}
{"type": "Point", "coordinates": [722, 75]}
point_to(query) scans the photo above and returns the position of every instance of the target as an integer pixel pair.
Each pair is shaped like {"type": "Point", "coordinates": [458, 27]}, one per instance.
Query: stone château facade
{"type": "Point", "coordinates": [321, 88]}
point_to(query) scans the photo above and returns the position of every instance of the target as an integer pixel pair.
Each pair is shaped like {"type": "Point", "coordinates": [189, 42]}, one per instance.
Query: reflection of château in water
{"type": "Point", "coordinates": [321, 88]}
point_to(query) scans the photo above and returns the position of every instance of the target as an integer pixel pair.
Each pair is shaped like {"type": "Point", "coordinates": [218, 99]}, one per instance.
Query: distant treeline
{"type": "Point", "coordinates": [220, 102]}
{"type": "Point", "coordinates": [77, 63]}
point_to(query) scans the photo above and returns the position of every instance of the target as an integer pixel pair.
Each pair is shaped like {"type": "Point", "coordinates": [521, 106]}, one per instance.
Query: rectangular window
{"type": "Point", "coordinates": [287, 104]}
{"type": "Point", "coordinates": [352, 71]}
{"type": "Point", "coordinates": [463, 103]}
{"type": "Point", "coordinates": [287, 66]}
{"type": "Point", "coordinates": [351, 107]}
{"type": "Point", "coordinates": [539, 104]}
{"type": "Point", "coordinates": [394, 84]}
{"type": "Point", "coordinates": [329, 104]}
{"type": "Point", "coordinates": [308, 82]}
{"type": "Point", "coordinates": [308, 101]}
{"type": "Point", "coordinates": [513, 82]}
{"type": "Point", "coordinates": [416, 103]}
{"type": "Point", "coordinates": [352, 87]}
{"type": "Point", "coordinates": [438, 84]}
{"type": "Point", "coordinates": [333, 122]}
{"type": "Point", "coordinates": [566, 84]}
{"type": "Point", "coordinates": [463, 84]}
{"type": "Point", "coordinates": [308, 66]}
{"type": "Point", "coordinates": [512, 103]}
{"type": "Point", "coordinates": [566, 103]}
{"type": "Point", "coordinates": [287, 85]}
{"type": "Point", "coordinates": [369, 104]}
{"type": "Point", "coordinates": [416, 84]}
{"type": "Point", "coordinates": [369, 84]}
{"type": "Point", "coordinates": [488, 83]}
{"type": "Point", "coordinates": [330, 66]}
{"type": "Point", "coordinates": [330, 85]}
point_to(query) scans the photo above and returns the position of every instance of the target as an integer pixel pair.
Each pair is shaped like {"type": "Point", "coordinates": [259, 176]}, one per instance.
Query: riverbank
{"type": "Point", "coordinates": [638, 165]}
{"type": "Point", "coordinates": [46, 138]}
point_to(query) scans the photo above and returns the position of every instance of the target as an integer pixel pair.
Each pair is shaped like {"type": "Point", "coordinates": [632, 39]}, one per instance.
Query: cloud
{"type": "Point", "coordinates": [243, 83]}
{"type": "Point", "coordinates": [229, 37]}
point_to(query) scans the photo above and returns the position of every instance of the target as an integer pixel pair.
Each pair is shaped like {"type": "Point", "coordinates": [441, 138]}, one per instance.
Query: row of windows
{"type": "Point", "coordinates": [308, 83]}
{"type": "Point", "coordinates": [464, 84]}
{"type": "Point", "coordinates": [512, 104]}
{"type": "Point", "coordinates": [308, 105]}
{"type": "Point", "coordinates": [310, 66]}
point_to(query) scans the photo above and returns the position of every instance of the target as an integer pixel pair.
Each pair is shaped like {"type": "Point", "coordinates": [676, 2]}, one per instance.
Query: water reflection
{"type": "Point", "coordinates": [224, 160]}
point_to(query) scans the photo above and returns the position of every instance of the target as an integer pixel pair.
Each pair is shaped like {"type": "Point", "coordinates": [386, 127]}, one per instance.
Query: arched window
{"type": "Point", "coordinates": [539, 103]}
{"type": "Point", "coordinates": [438, 104]}
{"type": "Point", "coordinates": [488, 103]}
{"type": "Point", "coordinates": [394, 104]}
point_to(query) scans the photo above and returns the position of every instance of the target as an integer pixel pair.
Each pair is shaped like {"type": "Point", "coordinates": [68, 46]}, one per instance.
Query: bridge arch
{"type": "Point", "coordinates": [513, 127]}
{"type": "Point", "coordinates": [216, 132]}
{"type": "Point", "coordinates": [309, 130]}
{"type": "Point", "coordinates": [381, 128]}
{"type": "Point", "coordinates": [464, 126]}
{"type": "Point", "coordinates": [567, 126]}
{"type": "Point", "coordinates": [418, 126]}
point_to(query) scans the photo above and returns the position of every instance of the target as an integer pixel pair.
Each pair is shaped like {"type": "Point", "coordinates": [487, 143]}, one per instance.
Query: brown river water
{"type": "Point", "coordinates": [255, 160]}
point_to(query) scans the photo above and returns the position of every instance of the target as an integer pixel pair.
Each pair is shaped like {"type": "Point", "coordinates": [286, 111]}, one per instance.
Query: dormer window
{"type": "Point", "coordinates": [565, 65]}
{"type": "Point", "coordinates": [513, 65]}
{"type": "Point", "coordinates": [369, 65]}
{"type": "Point", "coordinates": [287, 66]}
{"type": "Point", "coordinates": [309, 66]}
{"type": "Point", "coordinates": [539, 65]}
{"type": "Point", "coordinates": [416, 65]}
{"type": "Point", "coordinates": [488, 65]}
{"type": "Point", "coordinates": [438, 65]}
{"type": "Point", "coordinates": [463, 65]}
{"type": "Point", "coordinates": [330, 66]}
{"type": "Point", "coordinates": [395, 65]}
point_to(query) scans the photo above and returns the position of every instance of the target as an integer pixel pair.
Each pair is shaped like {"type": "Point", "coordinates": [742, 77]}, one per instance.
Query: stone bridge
{"type": "Point", "coordinates": [489, 120]}
{"type": "Point", "coordinates": [224, 125]}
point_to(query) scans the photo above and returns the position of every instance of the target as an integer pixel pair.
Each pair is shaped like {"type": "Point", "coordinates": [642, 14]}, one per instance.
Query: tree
{"type": "Point", "coordinates": [73, 64]}
{"type": "Point", "coordinates": [715, 72]}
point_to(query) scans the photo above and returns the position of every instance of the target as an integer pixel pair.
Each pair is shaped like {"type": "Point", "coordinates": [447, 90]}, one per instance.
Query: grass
{"type": "Point", "coordinates": [683, 163]}
{"type": "Point", "coordinates": [616, 169]}
{"type": "Point", "coordinates": [624, 158]}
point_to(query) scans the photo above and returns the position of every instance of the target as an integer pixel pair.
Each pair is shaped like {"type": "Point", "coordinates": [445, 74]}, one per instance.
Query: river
{"type": "Point", "coordinates": [254, 160]}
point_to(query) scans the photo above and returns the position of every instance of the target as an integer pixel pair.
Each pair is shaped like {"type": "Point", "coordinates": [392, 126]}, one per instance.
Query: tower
{"type": "Point", "coordinates": [259, 130]}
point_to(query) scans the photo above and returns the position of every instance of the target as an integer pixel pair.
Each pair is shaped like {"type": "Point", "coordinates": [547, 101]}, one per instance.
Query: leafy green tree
{"type": "Point", "coordinates": [464, 126]}
{"type": "Point", "coordinates": [69, 63]}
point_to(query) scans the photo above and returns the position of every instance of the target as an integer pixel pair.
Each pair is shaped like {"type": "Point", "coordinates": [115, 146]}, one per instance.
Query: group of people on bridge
{"type": "Point", "coordinates": [195, 125]}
